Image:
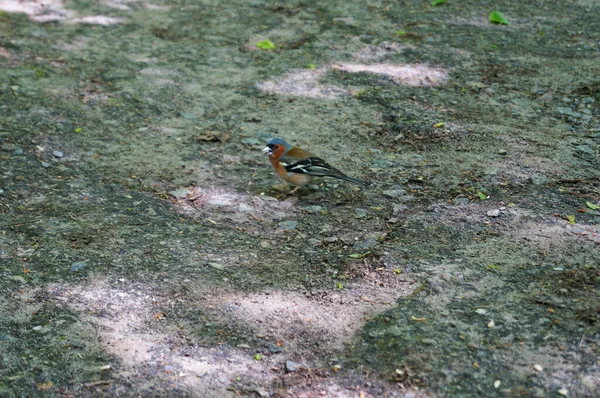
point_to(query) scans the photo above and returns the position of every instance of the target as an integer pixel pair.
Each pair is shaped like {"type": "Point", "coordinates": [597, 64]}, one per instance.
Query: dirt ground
{"type": "Point", "coordinates": [148, 249]}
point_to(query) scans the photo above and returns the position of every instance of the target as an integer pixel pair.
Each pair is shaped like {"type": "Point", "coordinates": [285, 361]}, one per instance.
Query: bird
{"type": "Point", "coordinates": [300, 167]}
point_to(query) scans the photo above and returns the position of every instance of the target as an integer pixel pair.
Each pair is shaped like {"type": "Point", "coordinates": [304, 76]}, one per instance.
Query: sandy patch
{"type": "Point", "coordinates": [305, 83]}
{"type": "Point", "coordinates": [52, 10]}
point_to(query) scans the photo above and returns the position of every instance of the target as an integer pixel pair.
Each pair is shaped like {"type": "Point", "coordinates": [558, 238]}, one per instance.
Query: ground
{"type": "Point", "coordinates": [146, 248]}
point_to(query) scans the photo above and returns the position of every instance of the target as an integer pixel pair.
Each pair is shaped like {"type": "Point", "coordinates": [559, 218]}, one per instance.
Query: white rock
{"type": "Point", "coordinates": [493, 213]}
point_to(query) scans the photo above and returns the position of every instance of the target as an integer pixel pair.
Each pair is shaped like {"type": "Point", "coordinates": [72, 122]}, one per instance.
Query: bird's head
{"type": "Point", "coordinates": [276, 146]}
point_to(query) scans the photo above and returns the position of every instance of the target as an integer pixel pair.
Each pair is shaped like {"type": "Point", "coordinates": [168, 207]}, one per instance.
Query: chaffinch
{"type": "Point", "coordinates": [300, 167]}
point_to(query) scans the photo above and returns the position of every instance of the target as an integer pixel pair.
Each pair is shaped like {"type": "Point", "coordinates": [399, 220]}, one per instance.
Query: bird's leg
{"type": "Point", "coordinates": [293, 191]}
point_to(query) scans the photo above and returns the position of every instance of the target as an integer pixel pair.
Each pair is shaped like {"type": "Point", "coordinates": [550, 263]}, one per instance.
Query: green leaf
{"type": "Point", "coordinates": [481, 195]}
{"type": "Point", "coordinates": [592, 206]}
{"type": "Point", "coordinates": [497, 17]}
{"type": "Point", "coordinates": [570, 219]}
{"type": "Point", "coordinates": [340, 286]}
{"type": "Point", "coordinates": [311, 66]}
{"type": "Point", "coordinates": [401, 33]}
{"type": "Point", "coordinates": [437, 2]}
{"type": "Point", "coordinates": [78, 130]}
{"type": "Point", "coordinates": [265, 45]}
{"type": "Point", "coordinates": [397, 271]}
{"type": "Point", "coordinates": [257, 357]}
{"type": "Point", "coordinates": [358, 255]}
{"type": "Point", "coordinates": [492, 267]}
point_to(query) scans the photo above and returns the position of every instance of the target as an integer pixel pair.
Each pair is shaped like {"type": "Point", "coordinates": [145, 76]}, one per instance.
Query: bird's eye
{"type": "Point", "coordinates": [276, 146]}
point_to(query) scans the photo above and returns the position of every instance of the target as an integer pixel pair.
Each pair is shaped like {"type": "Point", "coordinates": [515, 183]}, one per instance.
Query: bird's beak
{"type": "Point", "coordinates": [267, 151]}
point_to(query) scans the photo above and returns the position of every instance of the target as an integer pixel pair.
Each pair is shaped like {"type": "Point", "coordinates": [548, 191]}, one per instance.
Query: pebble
{"type": "Point", "coordinates": [58, 154]}
{"type": "Point", "coordinates": [563, 391]}
{"type": "Point", "coordinates": [395, 193]}
{"type": "Point", "coordinates": [539, 179]}
{"type": "Point", "coordinates": [398, 208]}
{"type": "Point", "coordinates": [365, 244]}
{"type": "Point", "coordinates": [461, 201]}
{"type": "Point", "coordinates": [497, 383]}
{"type": "Point", "coordinates": [18, 151]}
{"type": "Point", "coordinates": [180, 193]}
{"type": "Point", "coordinates": [491, 324]}
{"type": "Point", "coordinates": [244, 208]}
{"type": "Point", "coordinates": [274, 348]}
{"type": "Point", "coordinates": [45, 165]}
{"type": "Point", "coordinates": [76, 266]}
{"type": "Point", "coordinates": [360, 213]}
{"type": "Point", "coordinates": [291, 366]}
{"type": "Point", "coordinates": [481, 311]}
{"type": "Point", "coordinates": [493, 213]}
{"type": "Point", "coordinates": [502, 152]}
{"type": "Point", "coordinates": [538, 367]}
{"type": "Point", "coordinates": [313, 209]}
{"type": "Point", "coordinates": [288, 225]}
{"type": "Point", "coordinates": [588, 382]}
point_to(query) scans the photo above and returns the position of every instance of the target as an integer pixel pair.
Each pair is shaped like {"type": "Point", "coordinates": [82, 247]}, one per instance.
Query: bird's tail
{"type": "Point", "coordinates": [352, 180]}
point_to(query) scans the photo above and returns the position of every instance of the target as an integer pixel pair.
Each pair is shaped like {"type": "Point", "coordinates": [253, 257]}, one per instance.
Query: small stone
{"type": "Point", "coordinates": [461, 201]}
{"type": "Point", "coordinates": [18, 151]}
{"type": "Point", "coordinates": [563, 391]}
{"type": "Point", "coordinates": [313, 209]}
{"type": "Point", "coordinates": [244, 346]}
{"type": "Point", "coordinates": [291, 366]}
{"type": "Point", "coordinates": [45, 165]}
{"type": "Point", "coordinates": [497, 383]}
{"type": "Point", "coordinates": [491, 324]}
{"type": "Point", "coordinates": [395, 193]}
{"type": "Point", "coordinates": [180, 193]}
{"type": "Point", "coordinates": [481, 311]}
{"type": "Point", "coordinates": [244, 208]}
{"type": "Point", "coordinates": [407, 198]}
{"type": "Point", "coordinates": [567, 111]}
{"type": "Point", "coordinates": [76, 266]}
{"type": "Point", "coordinates": [502, 152]}
{"type": "Point", "coordinates": [261, 392]}
{"type": "Point", "coordinates": [538, 367]}
{"type": "Point", "coordinates": [398, 208]}
{"type": "Point", "coordinates": [274, 348]}
{"type": "Point", "coordinates": [365, 244]}
{"type": "Point", "coordinates": [222, 379]}
{"type": "Point", "coordinates": [58, 154]}
{"type": "Point", "coordinates": [217, 265]}
{"type": "Point", "coordinates": [539, 179]}
{"type": "Point", "coordinates": [360, 213]}
{"type": "Point", "coordinates": [38, 328]}
{"type": "Point", "coordinates": [493, 213]}
{"type": "Point", "coordinates": [288, 225]}
{"type": "Point", "coordinates": [588, 382]}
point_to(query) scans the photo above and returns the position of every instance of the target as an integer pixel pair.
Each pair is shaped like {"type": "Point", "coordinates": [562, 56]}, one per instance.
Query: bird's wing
{"type": "Point", "coordinates": [313, 166]}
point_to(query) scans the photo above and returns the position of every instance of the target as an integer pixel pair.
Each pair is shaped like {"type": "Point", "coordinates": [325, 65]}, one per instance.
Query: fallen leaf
{"type": "Point", "coordinates": [592, 206]}
{"type": "Point", "coordinates": [437, 2]}
{"type": "Point", "coordinates": [497, 17]}
{"type": "Point", "coordinates": [265, 45]}
{"type": "Point", "coordinates": [209, 135]}
{"type": "Point", "coordinates": [414, 318]}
